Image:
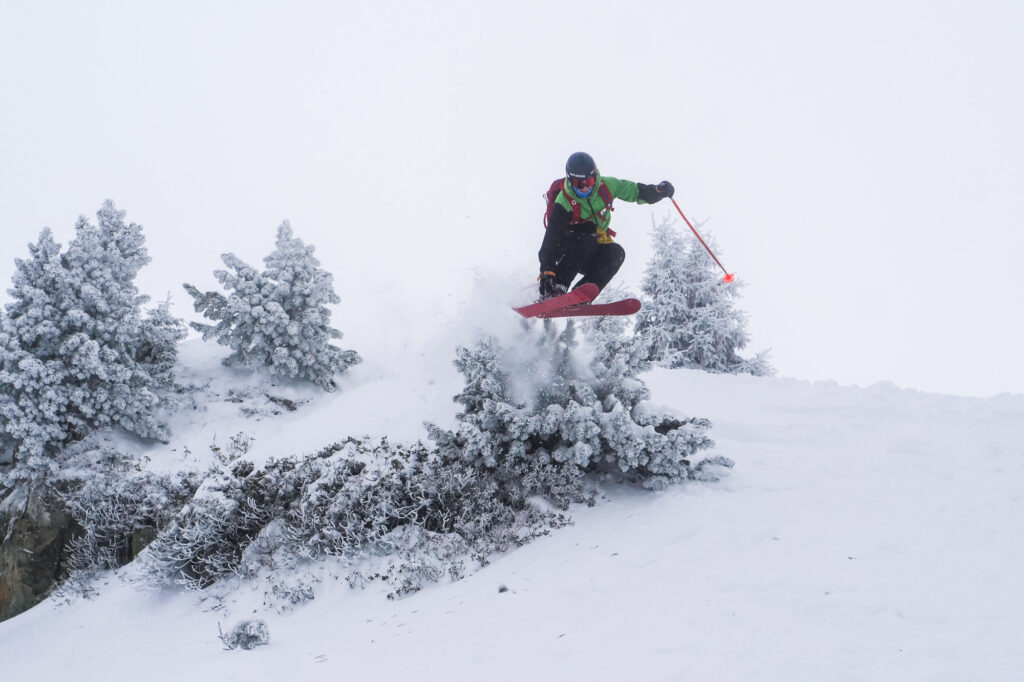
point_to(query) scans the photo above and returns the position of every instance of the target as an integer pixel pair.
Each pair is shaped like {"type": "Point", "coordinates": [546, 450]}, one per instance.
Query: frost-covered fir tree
{"type": "Point", "coordinates": [278, 318]}
{"type": "Point", "coordinates": [303, 291]}
{"type": "Point", "coordinates": [689, 318]}
{"type": "Point", "coordinates": [69, 342]}
{"type": "Point", "coordinates": [157, 347]}
{"type": "Point", "coordinates": [617, 350]}
{"type": "Point", "coordinates": [553, 401]}
{"type": "Point", "coordinates": [115, 390]}
{"type": "Point", "coordinates": [31, 367]}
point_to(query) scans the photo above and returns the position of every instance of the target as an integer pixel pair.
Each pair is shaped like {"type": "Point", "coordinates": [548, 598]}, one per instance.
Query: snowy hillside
{"type": "Point", "coordinates": [864, 534]}
{"type": "Point", "coordinates": [860, 166]}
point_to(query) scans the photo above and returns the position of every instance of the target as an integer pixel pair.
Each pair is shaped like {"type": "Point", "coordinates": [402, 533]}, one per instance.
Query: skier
{"type": "Point", "coordinates": [577, 239]}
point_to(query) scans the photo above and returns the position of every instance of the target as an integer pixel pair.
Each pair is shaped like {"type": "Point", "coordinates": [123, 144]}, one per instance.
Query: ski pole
{"type": "Point", "coordinates": [728, 277]}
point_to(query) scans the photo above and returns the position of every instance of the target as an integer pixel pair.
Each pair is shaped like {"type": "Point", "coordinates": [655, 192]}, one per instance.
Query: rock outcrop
{"type": "Point", "coordinates": [34, 535]}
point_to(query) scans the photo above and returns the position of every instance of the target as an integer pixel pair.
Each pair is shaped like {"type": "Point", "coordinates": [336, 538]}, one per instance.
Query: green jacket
{"type": "Point", "coordinates": [593, 208]}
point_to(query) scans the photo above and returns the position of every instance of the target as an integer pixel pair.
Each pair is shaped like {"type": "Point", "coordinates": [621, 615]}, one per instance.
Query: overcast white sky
{"type": "Point", "coordinates": [860, 164]}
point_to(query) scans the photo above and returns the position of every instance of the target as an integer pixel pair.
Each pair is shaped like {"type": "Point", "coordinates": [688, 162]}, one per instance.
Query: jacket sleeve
{"type": "Point", "coordinates": [635, 192]}
{"type": "Point", "coordinates": [551, 247]}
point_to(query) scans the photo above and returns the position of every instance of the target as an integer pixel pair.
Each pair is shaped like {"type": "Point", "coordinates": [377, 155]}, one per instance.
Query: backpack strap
{"type": "Point", "coordinates": [602, 190]}
{"type": "Point", "coordinates": [605, 194]}
{"type": "Point", "coordinates": [576, 208]}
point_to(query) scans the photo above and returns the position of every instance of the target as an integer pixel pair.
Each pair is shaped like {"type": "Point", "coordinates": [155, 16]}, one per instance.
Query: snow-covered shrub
{"type": "Point", "coordinates": [276, 318]}
{"type": "Point", "coordinates": [401, 508]}
{"type": "Point", "coordinates": [689, 318]}
{"type": "Point", "coordinates": [407, 503]}
{"type": "Point", "coordinates": [206, 539]}
{"type": "Point", "coordinates": [423, 510]}
{"type": "Point", "coordinates": [70, 343]}
{"type": "Point", "coordinates": [120, 511]}
{"type": "Point", "coordinates": [248, 634]}
{"type": "Point", "coordinates": [545, 403]}
{"type": "Point", "coordinates": [329, 503]}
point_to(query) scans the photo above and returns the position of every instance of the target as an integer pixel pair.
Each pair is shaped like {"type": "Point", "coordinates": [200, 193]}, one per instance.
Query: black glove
{"type": "Point", "coordinates": [665, 188]}
{"type": "Point", "coordinates": [548, 286]}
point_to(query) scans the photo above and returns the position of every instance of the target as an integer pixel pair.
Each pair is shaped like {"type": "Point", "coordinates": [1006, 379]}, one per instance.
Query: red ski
{"type": "Point", "coordinates": [581, 294]}
{"type": "Point", "coordinates": [626, 306]}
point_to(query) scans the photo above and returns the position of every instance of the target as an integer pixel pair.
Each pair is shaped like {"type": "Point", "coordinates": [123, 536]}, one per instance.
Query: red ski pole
{"type": "Point", "coordinates": [728, 277]}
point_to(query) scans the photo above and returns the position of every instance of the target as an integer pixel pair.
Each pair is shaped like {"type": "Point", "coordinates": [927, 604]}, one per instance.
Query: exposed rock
{"type": "Point", "coordinates": [141, 537]}
{"type": "Point", "coordinates": [34, 533]}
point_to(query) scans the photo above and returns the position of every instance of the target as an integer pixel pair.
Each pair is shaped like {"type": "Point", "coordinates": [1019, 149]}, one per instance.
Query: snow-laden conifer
{"type": "Point", "coordinates": [548, 400]}
{"type": "Point", "coordinates": [114, 390]}
{"type": "Point", "coordinates": [32, 370]}
{"type": "Point", "coordinates": [70, 340]}
{"type": "Point", "coordinates": [277, 318]}
{"type": "Point", "coordinates": [157, 347]}
{"type": "Point", "coordinates": [689, 318]}
{"type": "Point", "coordinates": [617, 350]}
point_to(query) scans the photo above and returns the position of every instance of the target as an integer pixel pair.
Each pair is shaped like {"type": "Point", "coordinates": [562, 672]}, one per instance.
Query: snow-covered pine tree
{"type": "Point", "coordinates": [32, 371]}
{"type": "Point", "coordinates": [689, 318]}
{"type": "Point", "coordinates": [114, 389]}
{"type": "Point", "coordinates": [303, 290]}
{"type": "Point", "coordinates": [237, 315]}
{"type": "Point", "coordinates": [551, 402]}
{"type": "Point", "coordinates": [617, 350]}
{"type": "Point", "coordinates": [69, 342]}
{"type": "Point", "coordinates": [278, 318]}
{"type": "Point", "coordinates": [157, 347]}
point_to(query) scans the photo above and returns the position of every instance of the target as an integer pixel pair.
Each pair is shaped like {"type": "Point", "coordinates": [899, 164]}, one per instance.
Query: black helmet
{"type": "Point", "coordinates": [581, 165]}
{"type": "Point", "coordinates": [582, 173]}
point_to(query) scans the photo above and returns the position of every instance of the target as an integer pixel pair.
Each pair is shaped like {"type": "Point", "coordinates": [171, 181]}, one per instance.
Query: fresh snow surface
{"type": "Point", "coordinates": [864, 534]}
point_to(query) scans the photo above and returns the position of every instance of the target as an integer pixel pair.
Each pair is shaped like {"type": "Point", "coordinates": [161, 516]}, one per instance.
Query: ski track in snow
{"type": "Point", "coordinates": [865, 534]}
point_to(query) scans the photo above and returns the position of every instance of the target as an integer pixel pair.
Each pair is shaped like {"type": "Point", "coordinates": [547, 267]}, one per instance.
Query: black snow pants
{"type": "Point", "coordinates": [583, 255]}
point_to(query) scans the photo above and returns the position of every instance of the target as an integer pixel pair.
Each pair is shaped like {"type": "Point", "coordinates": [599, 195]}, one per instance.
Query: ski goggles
{"type": "Point", "coordinates": [584, 185]}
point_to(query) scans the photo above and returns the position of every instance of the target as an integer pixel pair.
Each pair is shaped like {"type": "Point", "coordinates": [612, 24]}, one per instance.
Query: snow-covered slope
{"type": "Point", "coordinates": [864, 534]}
